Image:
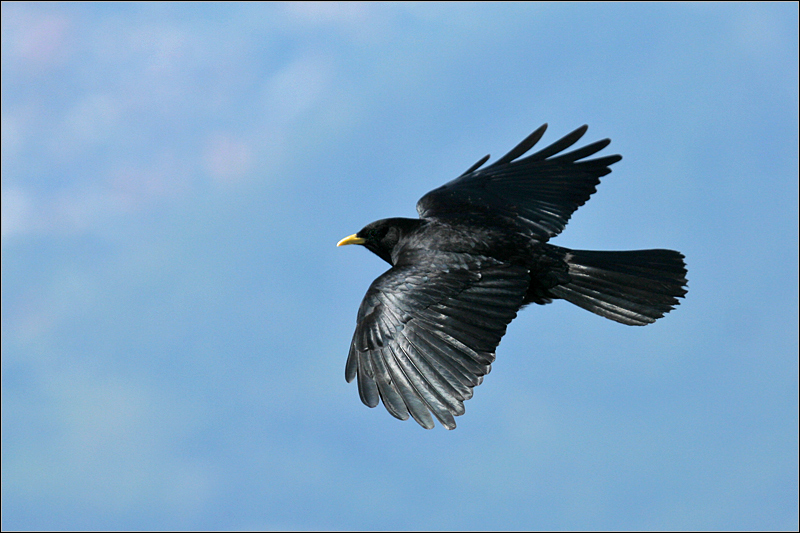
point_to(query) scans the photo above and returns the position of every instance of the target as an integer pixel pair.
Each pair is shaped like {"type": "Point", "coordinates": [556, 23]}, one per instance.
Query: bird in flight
{"type": "Point", "coordinates": [427, 329]}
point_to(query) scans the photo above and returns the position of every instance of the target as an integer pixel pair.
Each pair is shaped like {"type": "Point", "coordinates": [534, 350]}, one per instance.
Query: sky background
{"type": "Point", "coordinates": [176, 315]}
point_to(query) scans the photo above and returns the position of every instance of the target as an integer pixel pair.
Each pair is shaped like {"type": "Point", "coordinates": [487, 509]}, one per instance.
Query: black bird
{"type": "Point", "coordinates": [428, 327]}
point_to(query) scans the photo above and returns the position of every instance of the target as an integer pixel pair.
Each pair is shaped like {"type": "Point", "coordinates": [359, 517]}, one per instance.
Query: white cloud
{"type": "Point", "coordinates": [16, 212]}
{"type": "Point", "coordinates": [10, 135]}
{"type": "Point", "coordinates": [227, 159]}
{"type": "Point", "coordinates": [35, 40]}
{"type": "Point", "coordinates": [760, 32]}
{"type": "Point", "coordinates": [90, 206]}
{"type": "Point", "coordinates": [296, 89]}
{"type": "Point", "coordinates": [111, 439]}
{"type": "Point", "coordinates": [92, 121]}
{"type": "Point", "coordinates": [359, 20]}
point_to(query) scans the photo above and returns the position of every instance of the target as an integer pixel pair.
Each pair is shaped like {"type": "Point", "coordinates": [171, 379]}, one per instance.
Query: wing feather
{"type": "Point", "coordinates": [426, 337]}
{"type": "Point", "coordinates": [534, 195]}
{"type": "Point", "coordinates": [562, 144]}
{"type": "Point", "coordinates": [436, 379]}
{"type": "Point", "coordinates": [426, 397]}
{"type": "Point", "coordinates": [522, 147]}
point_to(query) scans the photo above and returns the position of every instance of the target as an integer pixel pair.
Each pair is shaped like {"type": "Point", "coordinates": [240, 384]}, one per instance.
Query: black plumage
{"type": "Point", "coordinates": [428, 327]}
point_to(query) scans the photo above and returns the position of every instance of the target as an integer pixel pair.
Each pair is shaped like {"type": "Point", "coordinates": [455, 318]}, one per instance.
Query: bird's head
{"type": "Point", "coordinates": [382, 236]}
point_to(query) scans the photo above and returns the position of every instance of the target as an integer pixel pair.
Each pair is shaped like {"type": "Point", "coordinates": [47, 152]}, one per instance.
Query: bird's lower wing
{"type": "Point", "coordinates": [427, 335]}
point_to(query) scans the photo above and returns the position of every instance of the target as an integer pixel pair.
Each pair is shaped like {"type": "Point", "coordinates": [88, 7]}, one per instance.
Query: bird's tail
{"type": "Point", "coordinates": [635, 288]}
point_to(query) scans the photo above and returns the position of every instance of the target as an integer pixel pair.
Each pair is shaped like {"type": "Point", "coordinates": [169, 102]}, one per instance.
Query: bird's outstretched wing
{"type": "Point", "coordinates": [536, 194]}
{"type": "Point", "coordinates": [427, 333]}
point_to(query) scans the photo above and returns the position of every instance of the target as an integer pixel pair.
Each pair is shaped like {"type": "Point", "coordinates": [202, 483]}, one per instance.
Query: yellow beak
{"type": "Point", "coordinates": [352, 239]}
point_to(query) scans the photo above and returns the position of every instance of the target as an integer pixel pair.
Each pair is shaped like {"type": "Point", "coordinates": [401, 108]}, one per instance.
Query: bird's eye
{"type": "Point", "coordinates": [377, 234]}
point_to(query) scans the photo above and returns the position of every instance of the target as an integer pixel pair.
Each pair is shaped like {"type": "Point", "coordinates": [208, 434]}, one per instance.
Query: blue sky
{"type": "Point", "coordinates": [176, 316]}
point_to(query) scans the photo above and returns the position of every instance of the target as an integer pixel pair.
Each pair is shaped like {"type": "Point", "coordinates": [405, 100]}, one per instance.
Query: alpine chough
{"type": "Point", "coordinates": [427, 330]}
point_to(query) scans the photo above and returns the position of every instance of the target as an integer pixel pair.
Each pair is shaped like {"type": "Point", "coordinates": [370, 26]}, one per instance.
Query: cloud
{"type": "Point", "coordinates": [90, 206]}
{"type": "Point", "coordinates": [359, 21]}
{"type": "Point", "coordinates": [93, 121]}
{"type": "Point", "coordinates": [109, 436]}
{"type": "Point", "coordinates": [226, 158]}
{"type": "Point", "coordinates": [16, 217]}
{"type": "Point", "coordinates": [296, 89]}
{"type": "Point", "coordinates": [35, 40]}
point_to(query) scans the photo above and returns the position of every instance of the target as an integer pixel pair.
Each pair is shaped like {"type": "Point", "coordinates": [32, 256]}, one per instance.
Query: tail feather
{"type": "Point", "coordinates": [634, 288]}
